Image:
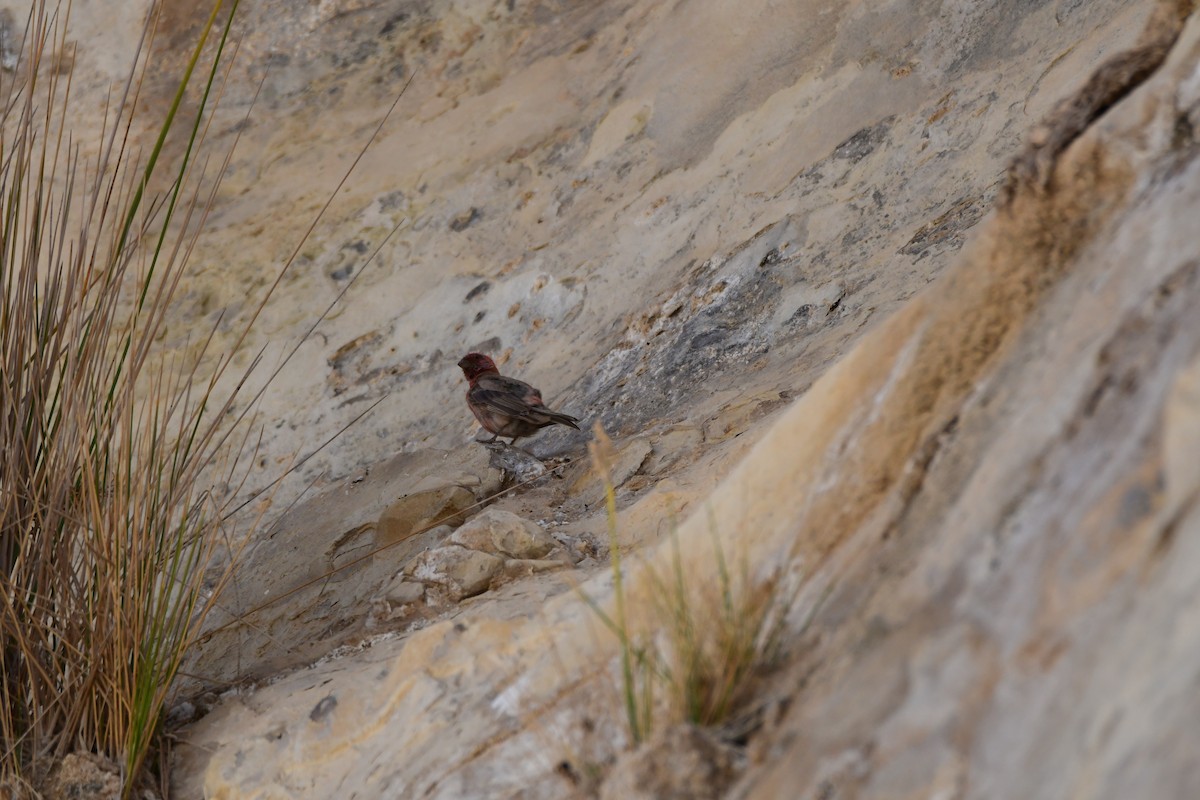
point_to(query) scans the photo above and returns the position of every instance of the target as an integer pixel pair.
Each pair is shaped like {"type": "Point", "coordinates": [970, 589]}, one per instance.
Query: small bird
{"type": "Point", "coordinates": [506, 406]}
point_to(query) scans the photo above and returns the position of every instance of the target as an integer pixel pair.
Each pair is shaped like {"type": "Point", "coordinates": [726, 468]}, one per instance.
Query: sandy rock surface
{"type": "Point", "coordinates": [777, 251]}
{"type": "Point", "coordinates": [656, 214]}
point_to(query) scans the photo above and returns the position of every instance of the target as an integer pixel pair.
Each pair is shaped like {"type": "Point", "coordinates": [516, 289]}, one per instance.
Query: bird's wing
{"type": "Point", "coordinates": [507, 395]}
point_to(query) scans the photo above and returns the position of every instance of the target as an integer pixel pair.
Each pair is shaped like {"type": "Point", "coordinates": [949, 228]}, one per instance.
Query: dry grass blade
{"type": "Point", "coordinates": [705, 638]}
{"type": "Point", "coordinates": [718, 635]}
{"type": "Point", "coordinates": [638, 666]}
{"type": "Point", "coordinates": [105, 524]}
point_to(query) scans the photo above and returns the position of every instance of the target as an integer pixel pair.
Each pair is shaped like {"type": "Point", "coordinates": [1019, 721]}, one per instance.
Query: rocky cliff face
{"type": "Point", "coordinates": [734, 235]}
{"type": "Point", "coordinates": [598, 192]}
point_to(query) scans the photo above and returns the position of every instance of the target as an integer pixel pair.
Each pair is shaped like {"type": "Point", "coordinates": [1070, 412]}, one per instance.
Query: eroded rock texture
{"type": "Point", "coordinates": [731, 233]}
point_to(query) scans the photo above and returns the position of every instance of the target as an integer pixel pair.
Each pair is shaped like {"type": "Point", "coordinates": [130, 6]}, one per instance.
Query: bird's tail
{"type": "Point", "coordinates": [563, 419]}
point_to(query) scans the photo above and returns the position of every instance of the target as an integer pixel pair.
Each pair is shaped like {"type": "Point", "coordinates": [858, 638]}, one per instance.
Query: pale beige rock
{"type": "Point", "coordinates": [504, 533]}
{"type": "Point", "coordinates": [304, 587]}
{"type": "Point", "coordinates": [523, 567]}
{"type": "Point", "coordinates": [434, 501]}
{"type": "Point", "coordinates": [402, 592]}
{"type": "Point", "coordinates": [1181, 439]}
{"type": "Point", "coordinates": [971, 489]}
{"type": "Point", "coordinates": [736, 417]}
{"type": "Point", "coordinates": [967, 484]}
{"type": "Point", "coordinates": [590, 151]}
{"type": "Point", "coordinates": [515, 462]}
{"type": "Point", "coordinates": [669, 447]}
{"type": "Point", "coordinates": [401, 600]}
{"type": "Point", "coordinates": [456, 572]}
{"type": "Point", "coordinates": [630, 456]}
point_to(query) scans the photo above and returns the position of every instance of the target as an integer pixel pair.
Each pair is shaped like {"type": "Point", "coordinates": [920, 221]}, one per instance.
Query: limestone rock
{"type": "Point", "coordinates": [309, 580]}
{"type": "Point", "coordinates": [433, 501]}
{"type": "Point", "coordinates": [402, 592]}
{"type": "Point", "coordinates": [396, 601]}
{"type": "Point", "coordinates": [514, 461]}
{"type": "Point", "coordinates": [504, 533]}
{"type": "Point", "coordinates": [630, 457]}
{"type": "Point", "coordinates": [736, 417]}
{"type": "Point", "coordinates": [522, 567]}
{"type": "Point", "coordinates": [1181, 438]}
{"type": "Point", "coordinates": [970, 476]}
{"type": "Point", "coordinates": [457, 572]}
{"type": "Point", "coordinates": [669, 446]}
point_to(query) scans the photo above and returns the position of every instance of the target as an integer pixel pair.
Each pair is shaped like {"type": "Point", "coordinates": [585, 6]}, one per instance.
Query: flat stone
{"type": "Point", "coordinates": [433, 502]}
{"type": "Point", "coordinates": [514, 461]}
{"type": "Point", "coordinates": [457, 572]}
{"type": "Point", "coordinates": [520, 567]}
{"type": "Point", "coordinates": [403, 592]}
{"type": "Point", "coordinates": [630, 456]}
{"type": "Point", "coordinates": [397, 600]}
{"type": "Point", "coordinates": [504, 533]}
{"type": "Point", "coordinates": [318, 566]}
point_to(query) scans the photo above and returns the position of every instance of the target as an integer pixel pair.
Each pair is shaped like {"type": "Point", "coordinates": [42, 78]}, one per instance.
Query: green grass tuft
{"type": "Point", "coordinates": [709, 636]}
{"type": "Point", "coordinates": [105, 522]}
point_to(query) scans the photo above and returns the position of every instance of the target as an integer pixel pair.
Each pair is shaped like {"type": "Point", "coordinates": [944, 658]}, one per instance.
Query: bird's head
{"type": "Point", "coordinates": [475, 364]}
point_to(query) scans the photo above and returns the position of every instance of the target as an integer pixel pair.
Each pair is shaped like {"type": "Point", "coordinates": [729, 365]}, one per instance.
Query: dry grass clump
{"type": "Point", "coordinates": [105, 521]}
{"type": "Point", "coordinates": [709, 635]}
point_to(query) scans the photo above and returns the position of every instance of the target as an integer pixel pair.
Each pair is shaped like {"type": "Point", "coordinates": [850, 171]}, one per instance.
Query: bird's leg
{"type": "Point", "coordinates": [492, 440]}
